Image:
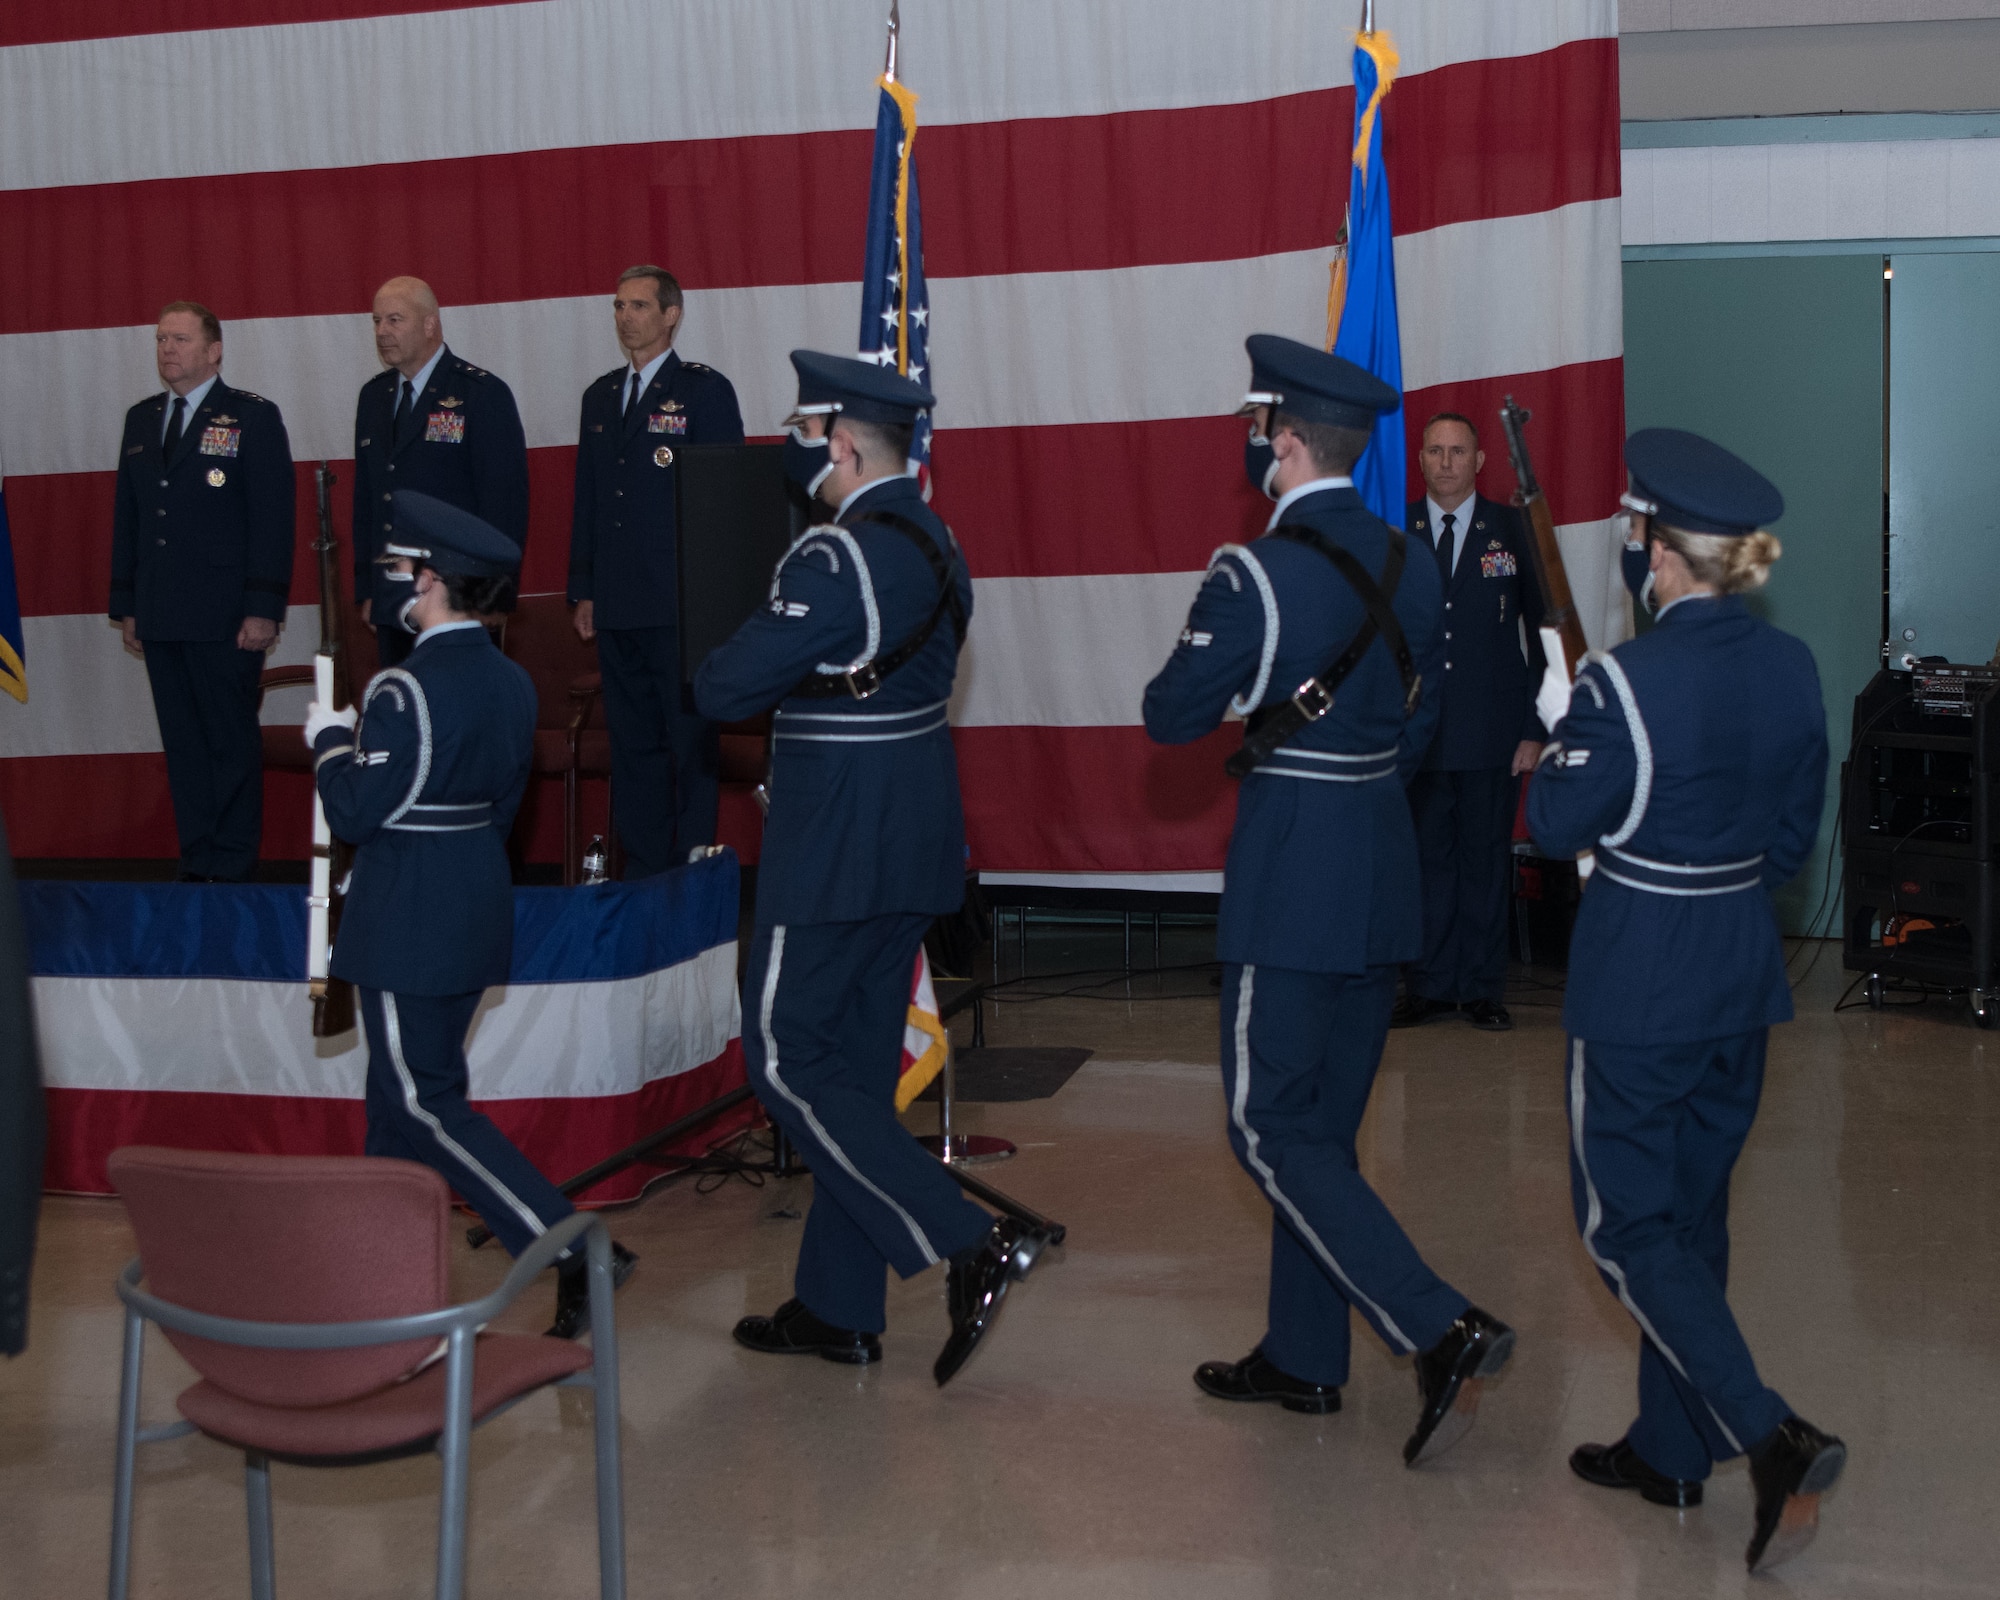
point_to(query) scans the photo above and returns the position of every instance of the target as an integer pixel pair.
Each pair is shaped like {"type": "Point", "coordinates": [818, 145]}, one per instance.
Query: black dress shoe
{"type": "Point", "coordinates": [1490, 1016]}
{"type": "Point", "coordinates": [1413, 1011]}
{"type": "Point", "coordinates": [1618, 1466]}
{"type": "Point", "coordinates": [1449, 1376]}
{"type": "Point", "coordinates": [573, 1292]}
{"type": "Point", "coordinates": [976, 1284]}
{"type": "Point", "coordinates": [1254, 1378]}
{"type": "Point", "coordinates": [1790, 1471]}
{"type": "Point", "coordinates": [792, 1330]}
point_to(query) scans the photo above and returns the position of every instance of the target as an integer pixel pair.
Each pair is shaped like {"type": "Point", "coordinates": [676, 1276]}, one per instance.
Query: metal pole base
{"type": "Point", "coordinates": [970, 1149]}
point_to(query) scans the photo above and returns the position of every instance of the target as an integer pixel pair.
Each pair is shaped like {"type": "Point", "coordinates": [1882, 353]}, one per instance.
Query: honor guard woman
{"type": "Point", "coordinates": [425, 788]}
{"type": "Point", "coordinates": [1327, 639]}
{"type": "Point", "coordinates": [864, 846]}
{"type": "Point", "coordinates": [1692, 762]}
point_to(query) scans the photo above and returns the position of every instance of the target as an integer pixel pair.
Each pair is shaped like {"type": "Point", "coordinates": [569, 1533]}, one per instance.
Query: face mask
{"type": "Point", "coordinates": [401, 609]}
{"type": "Point", "coordinates": [1260, 464]}
{"type": "Point", "coordinates": [1636, 564]}
{"type": "Point", "coordinates": [807, 461]}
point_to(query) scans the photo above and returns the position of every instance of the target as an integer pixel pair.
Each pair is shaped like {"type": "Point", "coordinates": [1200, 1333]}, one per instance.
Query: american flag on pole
{"type": "Point", "coordinates": [895, 307]}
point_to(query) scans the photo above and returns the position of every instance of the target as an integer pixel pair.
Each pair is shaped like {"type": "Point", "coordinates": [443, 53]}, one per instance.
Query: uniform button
{"type": "Point", "coordinates": [160, 542]}
{"type": "Point", "coordinates": [163, 483]}
{"type": "Point", "coordinates": [385, 499]}
{"type": "Point", "coordinates": [621, 462]}
{"type": "Point", "coordinates": [162, 511]}
{"type": "Point", "coordinates": [619, 492]}
{"type": "Point", "coordinates": [1447, 666]}
{"type": "Point", "coordinates": [1447, 633]}
{"type": "Point", "coordinates": [1447, 605]}
{"type": "Point", "coordinates": [392, 466]}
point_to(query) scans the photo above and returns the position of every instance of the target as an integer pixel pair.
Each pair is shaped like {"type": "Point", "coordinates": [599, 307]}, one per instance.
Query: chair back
{"type": "Point", "coordinates": [290, 1239]}
{"type": "Point", "coordinates": [542, 639]}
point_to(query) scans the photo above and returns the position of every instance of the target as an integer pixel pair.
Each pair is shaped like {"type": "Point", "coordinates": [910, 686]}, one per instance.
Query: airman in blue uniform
{"type": "Point", "coordinates": [432, 422]}
{"type": "Point", "coordinates": [425, 787]}
{"type": "Point", "coordinates": [1327, 641]}
{"type": "Point", "coordinates": [1692, 762]}
{"type": "Point", "coordinates": [624, 575]}
{"type": "Point", "coordinates": [201, 567]}
{"type": "Point", "coordinates": [864, 846]}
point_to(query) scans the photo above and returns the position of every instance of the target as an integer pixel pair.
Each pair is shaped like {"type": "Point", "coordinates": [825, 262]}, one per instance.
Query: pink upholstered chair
{"type": "Point", "coordinates": [312, 1296]}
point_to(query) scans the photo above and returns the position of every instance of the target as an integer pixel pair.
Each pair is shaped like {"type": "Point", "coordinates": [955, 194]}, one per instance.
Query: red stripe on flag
{"type": "Point", "coordinates": [1039, 195]}
{"type": "Point", "coordinates": [48, 21]}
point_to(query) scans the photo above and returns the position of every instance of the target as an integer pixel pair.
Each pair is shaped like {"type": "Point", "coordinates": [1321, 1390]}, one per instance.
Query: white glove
{"type": "Point", "coordinates": [1552, 699]}
{"type": "Point", "coordinates": [319, 718]}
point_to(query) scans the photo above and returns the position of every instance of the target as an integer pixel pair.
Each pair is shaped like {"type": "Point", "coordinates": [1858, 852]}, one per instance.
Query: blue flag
{"type": "Point", "coordinates": [1365, 316]}
{"type": "Point", "coordinates": [13, 649]}
{"type": "Point", "coordinates": [895, 308]}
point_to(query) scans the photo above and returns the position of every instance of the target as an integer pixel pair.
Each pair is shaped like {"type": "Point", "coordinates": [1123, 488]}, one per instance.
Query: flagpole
{"type": "Point", "coordinates": [896, 28]}
{"type": "Point", "coordinates": [1367, 20]}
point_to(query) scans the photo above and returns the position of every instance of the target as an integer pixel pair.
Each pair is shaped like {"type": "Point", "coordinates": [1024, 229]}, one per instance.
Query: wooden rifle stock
{"type": "Point", "coordinates": [332, 998]}
{"type": "Point", "coordinates": [1559, 609]}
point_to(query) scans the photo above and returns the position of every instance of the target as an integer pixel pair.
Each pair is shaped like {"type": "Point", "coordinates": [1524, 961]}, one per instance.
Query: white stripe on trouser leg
{"type": "Point", "coordinates": [766, 1005]}
{"type": "Point", "coordinates": [393, 1030]}
{"type": "Point", "coordinates": [1269, 1179]}
{"type": "Point", "coordinates": [1593, 1219]}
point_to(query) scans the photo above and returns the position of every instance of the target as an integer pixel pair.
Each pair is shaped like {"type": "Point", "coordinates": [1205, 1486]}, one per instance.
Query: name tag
{"type": "Point", "coordinates": [660, 422]}
{"type": "Point", "coordinates": [445, 427]}
{"type": "Point", "coordinates": [221, 441]}
{"type": "Point", "coordinates": [1498, 564]}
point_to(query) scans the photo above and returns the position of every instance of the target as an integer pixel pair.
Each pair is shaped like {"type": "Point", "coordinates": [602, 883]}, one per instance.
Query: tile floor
{"type": "Point", "coordinates": [1074, 1460]}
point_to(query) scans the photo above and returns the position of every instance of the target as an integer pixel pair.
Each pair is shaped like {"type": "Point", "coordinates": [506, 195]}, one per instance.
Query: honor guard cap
{"type": "Point", "coordinates": [1693, 484]}
{"type": "Point", "coordinates": [858, 389]}
{"type": "Point", "coordinates": [1313, 385]}
{"type": "Point", "coordinates": [449, 541]}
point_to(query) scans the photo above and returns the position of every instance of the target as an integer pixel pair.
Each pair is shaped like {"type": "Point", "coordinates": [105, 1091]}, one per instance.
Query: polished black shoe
{"type": "Point", "coordinates": [792, 1330]}
{"type": "Point", "coordinates": [1790, 1471]}
{"type": "Point", "coordinates": [573, 1292]}
{"type": "Point", "coordinates": [976, 1284]}
{"type": "Point", "coordinates": [1449, 1377]}
{"type": "Point", "coordinates": [1618, 1466]}
{"type": "Point", "coordinates": [1489, 1016]}
{"type": "Point", "coordinates": [1413, 1011]}
{"type": "Point", "coordinates": [1254, 1378]}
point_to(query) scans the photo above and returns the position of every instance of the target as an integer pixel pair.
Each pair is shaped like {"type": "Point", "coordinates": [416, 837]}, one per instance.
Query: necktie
{"type": "Point", "coordinates": [403, 392]}
{"type": "Point", "coordinates": [175, 422]}
{"type": "Point", "coordinates": [631, 394]}
{"type": "Point", "coordinates": [1446, 538]}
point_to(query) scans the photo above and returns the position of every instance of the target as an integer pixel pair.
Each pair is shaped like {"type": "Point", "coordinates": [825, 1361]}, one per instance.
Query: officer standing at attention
{"type": "Point", "coordinates": [864, 846]}
{"type": "Point", "coordinates": [437, 424]}
{"type": "Point", "coordinates": [624, 570]}
{"type": "Point", "coordinates": [201, 566]}
{"type": "Point", "coordinates": [425, 788]}
{"type": "Point", "coordinates": [1319, 891]}
{"type": "Point", "coordinates": [1692, 761]}
{"type": "Point", "coordinates": [1465, 794]}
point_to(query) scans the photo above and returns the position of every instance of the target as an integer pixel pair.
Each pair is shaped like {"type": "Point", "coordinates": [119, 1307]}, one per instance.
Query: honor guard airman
{"type": "Point", "coordinates": [1692, 763]}
{"type": "Point", "coordinates": [863, 848]}
{"type": "Point", "coordinates": [1324, 635]}
{"type": "Point", "coordinates": [437, 424]}
{"type": "Point", "coordinates": [624, 581]}
{"type": "Point", "coordinates": [201, 567]}
{"type": "Point", "coordinates": [425, 787]}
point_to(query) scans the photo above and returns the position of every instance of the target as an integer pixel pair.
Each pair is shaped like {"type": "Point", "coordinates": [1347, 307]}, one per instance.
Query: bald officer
{"type": "Point", "coordinates": [434, 423]}
{"type": "Point", "coordinates": [201, 566]}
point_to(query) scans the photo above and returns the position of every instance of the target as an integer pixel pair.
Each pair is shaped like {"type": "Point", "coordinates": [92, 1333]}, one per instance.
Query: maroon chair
{"type": "Point", "coordinates": [284, 748]}
{"type": "Point", "coordinates": [311, 1294]}
{"type": "Point", "coordinates": [570, 740]}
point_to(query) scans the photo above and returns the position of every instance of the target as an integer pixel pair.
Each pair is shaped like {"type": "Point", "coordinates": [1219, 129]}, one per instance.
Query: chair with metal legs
{"type": "Point", "coordinates": [311, 1294]}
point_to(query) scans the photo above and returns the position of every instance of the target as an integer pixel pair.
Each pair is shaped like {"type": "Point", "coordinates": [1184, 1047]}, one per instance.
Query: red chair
{"type": "Point", "coordinates": [542, 639]}
{"type": "Point", "coordinates": [284, 749]}
{"type": "Point", "coordinates": [311, 1294]}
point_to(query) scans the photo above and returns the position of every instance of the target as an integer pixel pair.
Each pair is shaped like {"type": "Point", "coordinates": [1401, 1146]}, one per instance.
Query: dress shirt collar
{"type": "Point", "coordinates": [1461, 519]}
{"type": "Point", "coordinates": [194, 398]}
{"type": "Point", "coordinates": [447, 627]}
{"type": "Point", "coordinates": [647, 374]}
{"type": "Point", "coordinates": [1291, 496]}
{"type": "Point", "coordinates": [1699, 594]}
{"type": "Point", "coordinates": [421, 381]}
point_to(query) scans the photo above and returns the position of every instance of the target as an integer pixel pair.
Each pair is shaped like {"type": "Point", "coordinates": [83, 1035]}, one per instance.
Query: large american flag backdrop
{"type": "Point", "coordinates": [1114, 193]}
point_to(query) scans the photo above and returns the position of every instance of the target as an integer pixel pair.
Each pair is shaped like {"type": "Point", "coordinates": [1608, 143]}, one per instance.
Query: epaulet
{"type": "Point", "coordinates": [245, 394]}
{"type": "Point", "coordinates": [470, 370]}
{"type": "Point", "coordinates": [695, 366]}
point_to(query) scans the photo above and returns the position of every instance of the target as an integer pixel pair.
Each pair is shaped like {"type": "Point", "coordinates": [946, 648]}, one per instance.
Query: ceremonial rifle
{"type": "Point", "coordinates": [332, 998]}
{"type": "Point", "coordinates": [1559, 610]}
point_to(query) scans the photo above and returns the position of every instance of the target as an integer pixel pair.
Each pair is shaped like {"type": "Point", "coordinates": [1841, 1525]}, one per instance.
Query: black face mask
{"type": "Point", "coordinates": [1260, 464]}
{"type": "Point", "coordinates": [807, 461]}
{"type": "Point", "coordinates": [1636, 566]}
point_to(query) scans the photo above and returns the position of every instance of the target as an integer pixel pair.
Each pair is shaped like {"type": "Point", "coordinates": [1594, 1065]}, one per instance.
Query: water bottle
{"type": "Point", "coordinates": [593, 860]}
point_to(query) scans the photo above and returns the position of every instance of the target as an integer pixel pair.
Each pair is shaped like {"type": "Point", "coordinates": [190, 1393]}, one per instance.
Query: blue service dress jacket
{"type": "Point", "coordinates": [1693, 762]}
{"type": "Point", "coordinates": [1487, 687]}
{"type": "Point", "coordinates": [203, 540]}
{"type": "Point", "coordinates": [462, 444]}
{"type": "Point", "coordinates": [865, 818]}
{"type": "Point", "coordinates": [425, 789]}
{"type": "Point", "coordinates": [1322, 868]}
{"type": "Point", "coordinates": [623, 546]}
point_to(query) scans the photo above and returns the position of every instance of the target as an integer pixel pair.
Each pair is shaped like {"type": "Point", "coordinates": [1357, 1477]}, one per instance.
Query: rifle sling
{"type": "Point", "coordinates": [1269, 727]}
{"type": "Point", "coordinates": [865, 679]}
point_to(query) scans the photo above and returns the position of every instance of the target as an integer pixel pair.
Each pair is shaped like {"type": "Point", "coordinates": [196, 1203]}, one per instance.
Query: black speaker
{"type": "Point", "coordinates": [738, 515]}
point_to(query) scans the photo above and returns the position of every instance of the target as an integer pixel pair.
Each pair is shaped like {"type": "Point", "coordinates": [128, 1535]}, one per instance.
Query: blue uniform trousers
{"type": "Point", "coordinates": [417, 1111]}
{"type": "Point", "coordinates": [663, 754]}
{"type": "Point", "coordinates": [1654, 1133]}
{"type": "Point", "coordinates": [205, 695]}
{"type": "Point", "coordinates": [824, 1009]}
{"type": "Point", "coordinates": [1465, 835]}
{"type": "Point", "coordinates": [1299, 1053]}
